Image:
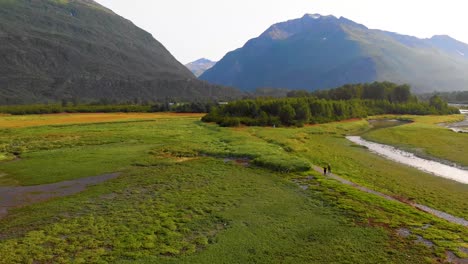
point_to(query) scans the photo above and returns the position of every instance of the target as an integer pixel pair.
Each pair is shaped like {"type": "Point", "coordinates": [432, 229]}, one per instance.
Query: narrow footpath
{"type": "Point", "coordinates": [448, 217]}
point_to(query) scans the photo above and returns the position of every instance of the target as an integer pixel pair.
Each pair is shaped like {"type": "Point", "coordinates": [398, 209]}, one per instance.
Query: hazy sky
{"type": "Point", "coordinates": [191, 29]}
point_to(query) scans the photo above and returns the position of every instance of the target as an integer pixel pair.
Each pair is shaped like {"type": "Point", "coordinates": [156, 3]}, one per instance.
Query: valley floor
{"type": "Point", "coordinates": [191, 192]}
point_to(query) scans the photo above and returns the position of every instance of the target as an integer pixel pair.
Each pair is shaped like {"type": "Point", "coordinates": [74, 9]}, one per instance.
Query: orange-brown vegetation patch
{"type": "Point", "coordinates": [59, 119]}
{"type": "Point", "coordinates": [184, 159]}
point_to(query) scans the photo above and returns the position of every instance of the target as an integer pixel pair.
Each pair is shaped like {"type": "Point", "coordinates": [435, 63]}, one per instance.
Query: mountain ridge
{"type": "Point", "coordinates": [318, 52]}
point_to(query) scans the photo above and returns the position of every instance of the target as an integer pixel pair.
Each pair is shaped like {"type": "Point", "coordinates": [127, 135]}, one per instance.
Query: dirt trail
{"type": "Point", "coordinates": [451, 257]}
{"type": "Point", "coordinates": [440, 214]}
{"type": "Point", "coordinates": [11, 197]}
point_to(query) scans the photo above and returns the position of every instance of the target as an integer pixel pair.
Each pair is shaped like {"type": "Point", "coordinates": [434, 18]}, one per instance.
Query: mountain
{"type": "Point", "coordinates": [450, 45]}
{"type": "Point", "coordinates": [77, 49]}
{"type": "Point", "coordinates": [198, 67]}
{"type": "Point", "coordinates": [317, 52]}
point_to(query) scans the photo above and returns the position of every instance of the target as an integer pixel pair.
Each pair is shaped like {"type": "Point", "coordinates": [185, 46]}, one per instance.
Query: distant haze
{"type": "Point", "coordinates": [211, 28]}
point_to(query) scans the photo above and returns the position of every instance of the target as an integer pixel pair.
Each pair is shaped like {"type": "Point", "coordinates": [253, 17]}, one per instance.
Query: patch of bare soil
{"type": "Point", "coordinates": [452, 258]}
{"type": "Point", "coordinates": [12, 197]}
{"type": "Point", "coordinates": [245, 162]}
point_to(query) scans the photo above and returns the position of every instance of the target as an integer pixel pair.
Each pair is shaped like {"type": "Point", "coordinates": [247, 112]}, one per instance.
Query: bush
{"type": "Point", "coordinates": [230, 122]}
{"type": "Point", "coordinates": [282, 165]}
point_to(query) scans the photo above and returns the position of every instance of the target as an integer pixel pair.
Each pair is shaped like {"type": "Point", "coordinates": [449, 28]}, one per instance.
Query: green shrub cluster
{"type": "Point", "coordinates": [282, 165]}
{"type": "Point", "coordinates": [334, 105]}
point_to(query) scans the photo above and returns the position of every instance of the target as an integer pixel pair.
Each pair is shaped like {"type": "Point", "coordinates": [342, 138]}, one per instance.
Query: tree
{"type": "Point", "coordinates": [437, 102]}
{"type": "Point", "coordinates": [302, 110]}
{"type": "Point", "coordinates": [287, 114]}
{"type": "Point", "coordinates": [263, 118]}
{"type": "Point", "coordinates": [401, 93]}
{"type": "Point", "coordinates": [375, 91]}
{"type": "Point", "coordinates": [298, 93]}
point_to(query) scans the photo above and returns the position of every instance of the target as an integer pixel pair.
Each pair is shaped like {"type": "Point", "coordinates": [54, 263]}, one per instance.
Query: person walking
{"type": "Point", "coordinates": [329, 168]}
{"type": "Point", "coordinates": [324, 170]}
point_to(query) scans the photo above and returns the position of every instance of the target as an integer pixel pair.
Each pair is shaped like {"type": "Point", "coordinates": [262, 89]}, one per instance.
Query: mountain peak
{"type": "Point", "coordinates": [318, 16]}
{"type": "Point", "coordinates": [287, 29]}
{"type": "Point", "coordinates": [199, 66]}
{"type": "Point", "coordinates": [313, 16]}
{"type": "Point", "coordinates": [450, 45]}
{"type": "Point", "coordinates": [203, 60]}
{"type": "Point", "coordinates": [446, 37]}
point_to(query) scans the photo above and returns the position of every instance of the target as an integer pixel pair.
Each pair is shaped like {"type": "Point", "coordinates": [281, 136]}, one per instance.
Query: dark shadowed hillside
{"type": "Point", "coordinates": [77, 49]}
{"type": "Point", "coordinates": [316, 52]}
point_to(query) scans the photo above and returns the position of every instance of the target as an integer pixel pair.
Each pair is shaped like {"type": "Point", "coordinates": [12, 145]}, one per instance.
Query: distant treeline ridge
{"type": "Point", "coordinates": [460, 97]}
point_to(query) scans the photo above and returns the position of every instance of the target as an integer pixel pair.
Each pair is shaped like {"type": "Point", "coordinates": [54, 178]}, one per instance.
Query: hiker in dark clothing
{"type": "Point", "coordinates": [329, 168]}
{"type": "Point", "coordinates": [324, 170]}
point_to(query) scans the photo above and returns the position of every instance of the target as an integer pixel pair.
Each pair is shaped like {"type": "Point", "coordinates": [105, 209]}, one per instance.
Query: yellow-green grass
{"type": "Point", "coordinates": [179, 201]}
{"type": "Point", "coordinates": [427, 138]}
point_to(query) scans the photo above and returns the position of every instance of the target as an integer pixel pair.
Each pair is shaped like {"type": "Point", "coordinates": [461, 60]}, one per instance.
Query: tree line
{"type": "Point", "coordinates": [65, 107]}
{"type": "Point", "coordinates": [460, 97]}
{"type": "Point", "coordinates": [349, 101]}
{"type": "Point", "coordinates": [373, 91]}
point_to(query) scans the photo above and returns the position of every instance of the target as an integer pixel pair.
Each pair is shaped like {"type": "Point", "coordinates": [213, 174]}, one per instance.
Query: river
{"type": "Point", "coordinates": [460, 127]}
{"type": "Point", "coordinates": [433, 167]}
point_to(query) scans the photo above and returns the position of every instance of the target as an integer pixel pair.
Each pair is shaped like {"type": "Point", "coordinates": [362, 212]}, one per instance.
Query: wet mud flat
{"type": "Point", "coordinates": [13, 197]}
{"type": "Point", "coordinates": [386, 123]}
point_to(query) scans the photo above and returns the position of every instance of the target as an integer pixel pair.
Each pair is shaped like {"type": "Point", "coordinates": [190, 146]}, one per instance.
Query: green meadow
{"type": "Point", "coordinates": [186, 194]}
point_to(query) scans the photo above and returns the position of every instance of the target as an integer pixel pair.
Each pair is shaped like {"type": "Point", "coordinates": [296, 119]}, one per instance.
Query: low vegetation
{"type": "Point", "coordinates": [185, 195]}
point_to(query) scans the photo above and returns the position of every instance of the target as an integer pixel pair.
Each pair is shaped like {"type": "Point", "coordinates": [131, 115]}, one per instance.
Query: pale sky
{"type": "Point", "coordinates": [192, 29]}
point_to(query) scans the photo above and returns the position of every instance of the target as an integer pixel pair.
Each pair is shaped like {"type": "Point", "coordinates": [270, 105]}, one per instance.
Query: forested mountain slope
{"type": "Point", "coordinates": [77, 49]}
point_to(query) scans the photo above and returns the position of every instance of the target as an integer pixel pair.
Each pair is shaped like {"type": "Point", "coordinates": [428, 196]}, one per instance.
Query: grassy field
{"type": "Point", "coordinates": [183, 198]}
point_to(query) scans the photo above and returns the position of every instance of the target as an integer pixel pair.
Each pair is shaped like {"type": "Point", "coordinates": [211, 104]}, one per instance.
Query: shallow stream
{"type": "Point", "coordinates": [462, 126]}
{"type": "Point", "coordinates": [433, 167]}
